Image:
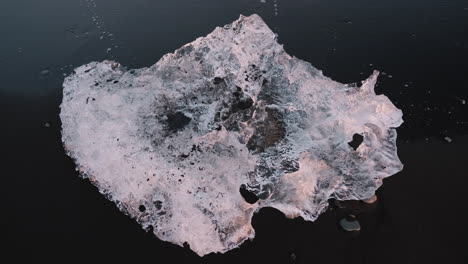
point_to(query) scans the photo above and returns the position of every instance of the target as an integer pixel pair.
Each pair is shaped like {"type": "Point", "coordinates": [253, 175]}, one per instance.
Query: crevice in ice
{"type": "Point", "coordinates": [194, 145]}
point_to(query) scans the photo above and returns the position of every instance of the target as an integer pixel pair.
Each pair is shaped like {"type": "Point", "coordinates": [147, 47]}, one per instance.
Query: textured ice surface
{"type": "Point", "coordinates": [172, 144]}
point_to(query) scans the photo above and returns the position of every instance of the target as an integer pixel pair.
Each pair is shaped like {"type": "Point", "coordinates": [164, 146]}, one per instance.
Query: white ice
{"type": "Point", "coordinates": [172, 144]}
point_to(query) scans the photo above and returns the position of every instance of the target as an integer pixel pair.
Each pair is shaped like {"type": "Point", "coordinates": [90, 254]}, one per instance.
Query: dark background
{"type": "Point", "coordinates": [421, 45]}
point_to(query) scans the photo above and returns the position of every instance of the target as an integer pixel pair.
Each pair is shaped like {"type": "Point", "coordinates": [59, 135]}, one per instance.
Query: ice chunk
{"type": "Point", "coordinates": [350, 224]}
{"type": "Point", "coordinates": [172, 144]}
{"type": "Point", "coordinates": [370, 200]}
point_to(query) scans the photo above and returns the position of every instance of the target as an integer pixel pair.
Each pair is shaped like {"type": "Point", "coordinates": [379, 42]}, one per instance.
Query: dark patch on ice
{"type": "Point", "coordinates": [218, 80]}
{"type": "Point", "coordinates": [158, 205]}
{"type": "Point", "coordinates": [289, 166]}
{"type": "Point", "coordinates": [177, 121]}
{"type": "Point", "coordinates": [269, 131]}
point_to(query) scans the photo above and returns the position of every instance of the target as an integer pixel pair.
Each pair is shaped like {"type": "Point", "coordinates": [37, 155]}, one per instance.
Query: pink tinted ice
{"type": "Point", "coordinates": [172, 144]}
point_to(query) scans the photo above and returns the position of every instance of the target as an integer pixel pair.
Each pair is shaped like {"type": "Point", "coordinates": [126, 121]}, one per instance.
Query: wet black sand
{"type": "Point", "coordinates": [420, 217]}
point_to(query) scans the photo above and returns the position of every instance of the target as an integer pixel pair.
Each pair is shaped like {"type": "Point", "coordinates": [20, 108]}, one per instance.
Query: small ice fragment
{"type": "Point", "coordinates": [350, 224]}
{"type": "Point", "coordinates": [45, 72]}
{"type": "Point", "coordinates": [463, 101]}
{"type": "Point", "coordinates": [108, 50]}
{"type": "Point", "coordinates": [371, 199]}
{"type": "Point", "coordinates": [406, 85]}
{"type": "Point", "coordinates": [47, 124]}
{"type": "Point", "coordinates": [263, 1]}
{"type": "Point", "coordinates": [448, 139]}
{"type": "Point", "coordinates": [390, 76]}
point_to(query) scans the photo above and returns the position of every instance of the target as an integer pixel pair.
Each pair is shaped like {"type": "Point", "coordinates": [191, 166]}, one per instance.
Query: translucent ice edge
{"type": "Point", "coordinates": [172, 144]}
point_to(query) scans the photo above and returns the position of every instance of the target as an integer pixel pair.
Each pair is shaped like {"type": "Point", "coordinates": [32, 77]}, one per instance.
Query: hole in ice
{"type": "Point", "coordinates": [141, 208]}
{"type": "Point", "coordinates": [356, 142]}
{"type": "Point", "coordinates": [218, 80]}
{"type": "Point", "coordinates": [248, 196]}
{"type": "Point", "coordinates": [186, 245]}
{"type": "Point", "coordinates": [150, 229]}
{"type": "Point", "coordinates": [177, 121]}
{"type": "Point", "coordinates": [245, 103]}
{"type": "Point", "coordinates": [158, 205]}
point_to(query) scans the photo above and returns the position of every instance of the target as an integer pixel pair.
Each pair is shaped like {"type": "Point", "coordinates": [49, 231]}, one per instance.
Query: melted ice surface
{"type": "Point", "coordinates": [172, 144]}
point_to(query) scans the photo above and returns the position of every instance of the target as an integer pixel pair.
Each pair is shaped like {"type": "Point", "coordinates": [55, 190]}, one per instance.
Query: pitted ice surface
{"type": "Point", "coordinates": [172, 144]}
